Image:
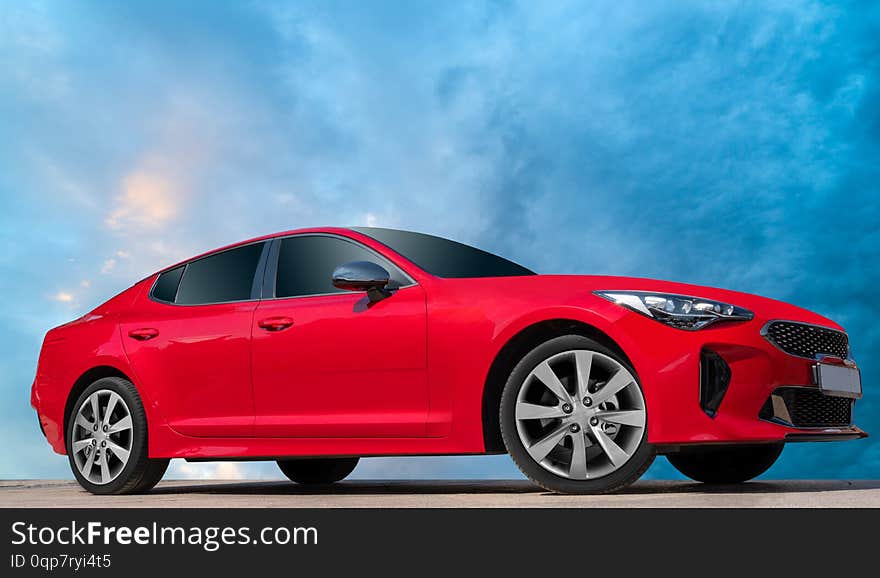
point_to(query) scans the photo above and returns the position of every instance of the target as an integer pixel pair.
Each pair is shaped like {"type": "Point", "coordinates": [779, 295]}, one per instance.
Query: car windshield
{"type": "Point", "coordinates": [445, 258]}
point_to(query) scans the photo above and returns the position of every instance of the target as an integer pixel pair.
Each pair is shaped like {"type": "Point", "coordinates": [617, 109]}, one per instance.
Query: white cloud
{"type": "Point", "coordinates": [63, 297]}
{"type": "Point", "coordinates": [109, 265]}
{"type": "Point", "coordinates": [147, 202]}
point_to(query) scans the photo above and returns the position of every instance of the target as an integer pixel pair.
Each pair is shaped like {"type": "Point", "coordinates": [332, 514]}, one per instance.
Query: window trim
{"type": "Point", "coordinates": [256, 287]}
{"type": "Point", "coordinates": [270, 280]}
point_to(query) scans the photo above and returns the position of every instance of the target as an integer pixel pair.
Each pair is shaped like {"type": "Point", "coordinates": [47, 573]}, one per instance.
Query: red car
{"type": "Point", "coordinates": [318, 346]}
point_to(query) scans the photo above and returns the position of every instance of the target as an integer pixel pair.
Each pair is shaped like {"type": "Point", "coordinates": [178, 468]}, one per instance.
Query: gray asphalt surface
{"type": "Point", "coordinates": [446, 494]}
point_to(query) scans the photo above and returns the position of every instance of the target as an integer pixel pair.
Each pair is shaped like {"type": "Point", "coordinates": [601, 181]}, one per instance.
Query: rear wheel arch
{"type": "Point", "coordinates": [512, 352]}
{"type": "Point", "coordinates": [85, 380]}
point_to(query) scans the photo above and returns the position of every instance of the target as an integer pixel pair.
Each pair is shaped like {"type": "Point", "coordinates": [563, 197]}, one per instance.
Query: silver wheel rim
{"type": "Point", "coordinates": [580, 414]}
{"type": "Point", "coordinates": [102, 437]}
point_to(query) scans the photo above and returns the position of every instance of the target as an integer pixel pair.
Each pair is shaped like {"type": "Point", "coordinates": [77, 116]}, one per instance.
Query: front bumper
{"type": "Point", "coordinates": [669, 366]}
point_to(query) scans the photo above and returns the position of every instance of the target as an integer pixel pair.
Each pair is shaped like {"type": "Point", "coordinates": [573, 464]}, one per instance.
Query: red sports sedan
{"type": "Point", "coordinates": [315, 347]}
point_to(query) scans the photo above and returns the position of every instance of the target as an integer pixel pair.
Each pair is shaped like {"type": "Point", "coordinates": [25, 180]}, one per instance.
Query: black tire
{"type": "Point", "coordinates": [725, 465]}
{"type": "Point", "coordinates": [317, 470]}
{"type": "Point", "coordinates": [628, 473]}
{"type": "Point", "coordinates": [140, 473]}
{"type": "Point", "coordinates": [152, 476]}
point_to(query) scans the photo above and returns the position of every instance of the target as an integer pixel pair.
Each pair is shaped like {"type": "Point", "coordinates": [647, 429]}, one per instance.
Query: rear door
{"type": "Point", "coordinates": [189, 342]}
{"type": "Point", "coordinates": [327, 362]}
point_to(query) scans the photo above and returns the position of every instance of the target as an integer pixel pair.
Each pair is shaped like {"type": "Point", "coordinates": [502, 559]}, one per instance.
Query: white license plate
{"type": "Point", "coordinates": [839, 380]}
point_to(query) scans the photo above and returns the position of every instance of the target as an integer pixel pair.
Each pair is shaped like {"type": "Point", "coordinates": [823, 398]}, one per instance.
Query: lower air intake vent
{"type": "Point", "coordinates": [714, 379]}
{"type": "Point", "coordinates": [807, 407]}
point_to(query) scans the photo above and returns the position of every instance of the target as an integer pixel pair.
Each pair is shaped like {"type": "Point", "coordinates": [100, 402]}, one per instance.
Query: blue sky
{"type": "Point", "coordinates": [721, 143]}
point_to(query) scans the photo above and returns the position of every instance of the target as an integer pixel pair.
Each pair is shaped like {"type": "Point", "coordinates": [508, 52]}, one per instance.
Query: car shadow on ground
{"type": "Point", "coordinates": [427, 487]}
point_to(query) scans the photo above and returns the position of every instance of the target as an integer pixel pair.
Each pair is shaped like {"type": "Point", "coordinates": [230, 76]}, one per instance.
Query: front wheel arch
{"type": "Point", "coordinates": [512, 352]}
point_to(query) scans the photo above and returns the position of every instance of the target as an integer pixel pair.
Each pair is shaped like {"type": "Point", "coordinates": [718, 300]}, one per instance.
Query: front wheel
{"type": "Point", "coordinates": [574, 419]}
{"type": "Point", "coordinates": [107, 440]}
{"type": "Point", "coordinates": [317, 470]}
{"type": "Point", "coordinates": [725, 465]}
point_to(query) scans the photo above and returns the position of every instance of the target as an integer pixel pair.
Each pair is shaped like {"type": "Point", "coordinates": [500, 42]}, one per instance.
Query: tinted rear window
{"type": "Point", "coordinates": [445, 258]}
{"type": "Point", "coordinates": [165, 288]}
{"type": "Point", "coordinates": [226, 276]}
{"type": "Point", "coordinates": [306, 264]}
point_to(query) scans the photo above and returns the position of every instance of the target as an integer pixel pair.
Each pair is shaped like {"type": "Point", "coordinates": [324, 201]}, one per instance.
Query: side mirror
{"type": "Point", "coordinates": [363, 276]}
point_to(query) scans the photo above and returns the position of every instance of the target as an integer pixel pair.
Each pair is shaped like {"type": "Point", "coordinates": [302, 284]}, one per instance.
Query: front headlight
{"type": "Point", "coordinates": [678, 311]}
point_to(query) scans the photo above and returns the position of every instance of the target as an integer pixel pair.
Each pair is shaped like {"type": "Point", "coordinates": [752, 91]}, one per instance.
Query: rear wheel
{"type": "Point", "coordinates": [725, 465]}
{"type": "Point", "coordinates": [574, 419]}
{"type": "Point", "coordinates": [107, 440]}
{"type": "Point", "coordinates": [317, 470]}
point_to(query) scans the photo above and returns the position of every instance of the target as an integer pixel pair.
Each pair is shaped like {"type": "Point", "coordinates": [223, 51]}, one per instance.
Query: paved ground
{"type": "Point", "coordinates": [446, 494]}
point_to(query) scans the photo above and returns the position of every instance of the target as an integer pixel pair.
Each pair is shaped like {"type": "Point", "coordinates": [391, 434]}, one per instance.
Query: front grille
{"type": "Point", "coordinates": [807, 407]}
{"type": "Point", "coordinates": [807, 340]}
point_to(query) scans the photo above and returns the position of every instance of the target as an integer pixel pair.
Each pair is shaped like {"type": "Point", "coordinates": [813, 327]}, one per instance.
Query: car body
{"type": "Point", "coordinates": [335, 373]}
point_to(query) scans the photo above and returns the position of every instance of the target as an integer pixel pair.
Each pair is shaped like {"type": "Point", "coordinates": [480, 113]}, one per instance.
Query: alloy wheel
{"type": "Point", "coordinates": [580, 414]}
{"type": "Point", "coordinates": [102, 436]}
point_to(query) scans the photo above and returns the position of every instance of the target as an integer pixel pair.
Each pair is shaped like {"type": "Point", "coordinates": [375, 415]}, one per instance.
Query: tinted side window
{"type": "Point", "coordinates": [306, 263]}
{"type": "Point", "coordinates": [165, 288]}
{"type": "Point", "coordinates": [445, 258]}
{"type": "Point", "coordinates": [226, 276]}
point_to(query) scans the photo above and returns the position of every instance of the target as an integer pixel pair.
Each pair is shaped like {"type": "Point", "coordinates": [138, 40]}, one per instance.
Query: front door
{"type": "Point", "coordinates": [326, 362]}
